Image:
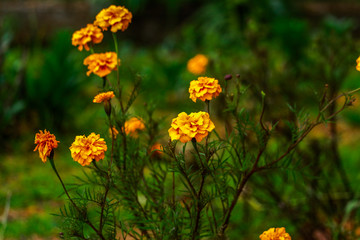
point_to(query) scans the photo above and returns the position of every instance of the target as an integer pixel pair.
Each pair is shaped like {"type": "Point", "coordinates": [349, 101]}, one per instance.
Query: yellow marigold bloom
{"type": "Point", "coordinates": [86, 35]}
{"type": "Point", "coordinates": [358, 64]}
{"type": "Point", "coordinates": [275, 234]}
{"type": "Point", "coordinates": [133, 125]}
{"type": "Point", "coordinates": [186, 127]}
{"type": "Point", "coordinates": [204, 88]}
{"type": "Point", "coordinates": [104, 97]}
{"type": "Point", "coordinates": [101, 64]}
{"type": "Point", "coordinates": [197, 65]}
{"type": "Point", "coordinates": [116, 17]}
{"type": "Point", "coordinates": [85, 149]}
{"type": "Point", "coordinates": [114, 131]}
{"type": "Point", "coordinates": [46, 142]}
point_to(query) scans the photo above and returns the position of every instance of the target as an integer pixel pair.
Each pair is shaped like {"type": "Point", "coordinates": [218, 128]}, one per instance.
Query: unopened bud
{"type": "Point", "coordinates": [228, 77]}
{"type": "Point", "coordinates": [107, 108]}
{"type": "Point", "coordinates": [238, 75]}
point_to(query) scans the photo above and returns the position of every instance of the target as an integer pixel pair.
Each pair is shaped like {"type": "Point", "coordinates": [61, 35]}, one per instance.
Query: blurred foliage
{"type": "Point", "coordinates": [270, 43]}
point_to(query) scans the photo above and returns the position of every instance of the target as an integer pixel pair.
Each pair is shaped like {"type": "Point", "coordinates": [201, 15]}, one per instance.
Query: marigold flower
{"type": "Point", "coordinates": [85, 149]}
{"type": "Point", "coordinates": [46, 142]}
{"type": "Point", "coordinates": [133, 125]}
{"type": "Point", "coordinates": [186, 127]}
{"type": "Point", "coordinates": [104, 97]}
{"type": "Point", "coordinates": [358, 64]}
{"type": "Point", "coordinates": [116, 17]}
{"type": "Point", "coordinates": [275, 234]}
{"type": "Point", "coordinates": [197, 65]}
{"type": "Point", "coordinates": [204, 88]}
{"type": "Point", "coordinates": [113, 131]}
{"type": "Point", "coordinates": [86, 35]}
{"type": "Point", "coordinates": [101, 64]}
{"type": "Point", "coordinates": [156, 150]}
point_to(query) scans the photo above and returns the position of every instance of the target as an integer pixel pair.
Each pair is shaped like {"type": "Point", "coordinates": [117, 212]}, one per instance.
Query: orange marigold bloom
{"type": "Point", "coordinates": [186, 127]}
{"type": "Point", "coordinates": [197, 65]}
{"type": "Point", "coordinates": [88, 34]}
{"type": "Point", "coordinates": [204, 88]}
{"type": "Point", "coordinates": [275, 234]}
{"type": "Point", "coordinates": [116, 17]}
{"type": "Point", "coordinates": [46, 142]}
{"type": "Point", "coordinates": [133, 125]}
{"type": "Point", "coordinates": [104, 97]}
{"type": "Point", "coordinates": [358, 64]}
{"type": "Point", "coordinates": [156, 150]}
{"type": "Point", "coordinates": [101, 64]}
{"type": "Point", "coordinates": [85, 149]}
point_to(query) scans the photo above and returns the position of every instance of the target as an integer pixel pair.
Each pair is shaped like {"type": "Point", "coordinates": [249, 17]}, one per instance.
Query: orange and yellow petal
{"type": "Point", "coordinates": [197, 65]}
{"type": "Point", "coordinates": [86, 149]}
{"type": "Point", "coordinates": [104, 97]}
{"type": "Point", "coordinates": [204, 88]}
{"type": "Point", "coordinates": [115, 17]}
{"type": "Point", "coordinates": [186, 127]}
{"type": "Point", "coordinates": [45, 143]}
{"type": "Point", "coordinates": [90, 34]}
{"type": "Point", "coordinates": [101, 64]}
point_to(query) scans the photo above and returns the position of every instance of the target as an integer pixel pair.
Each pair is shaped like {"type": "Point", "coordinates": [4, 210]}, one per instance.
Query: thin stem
{"type": "Point", "coordinates": [173, 188]}
{"type": "Point", "coordinates": [198, 208]}
{"type": "Point", "coordinates": [339, 96]}
{"type": "Point", "coordinates": [262, 112]}
{"type": "Point", "coordinates": [117, 72]}
{"type": "Point", "coordinates": [70, 199]}
{"type": "Point", "coordinates": [107, 186]}
{"type": "Point", "coordinates": [207, 137]}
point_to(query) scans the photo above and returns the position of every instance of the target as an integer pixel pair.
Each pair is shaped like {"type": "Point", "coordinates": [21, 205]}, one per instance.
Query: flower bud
{"type": "Point", "coordinates": [107, 108]}
{"type": "Point", "coordinates": [228, 77]}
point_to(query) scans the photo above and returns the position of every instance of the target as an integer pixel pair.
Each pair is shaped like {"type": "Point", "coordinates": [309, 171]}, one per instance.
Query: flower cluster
{"type": "Point", "coordinates": [101, 64]}
{"type": "Point", "coordinates": [204, 88]}
{"type": "Point", "coordinates": [116, 17]}
{"type": "Point", "coordinates": [104, 97]}
{"type": "Point", "coordinates": [186, 127]}
{"type": "Point", "coordinates": [197, 65]}
{"type": "Point", "coordinates": [85, 149]}
{"type": "Point", "coordinates": [358, 64]}
{"type": "Point", "coordinates": [46, 142]}
{"type": "Point", "coordinates": [86, 35]}
{"type": "Point", "coordinates": [133, 125]}
{"type": "Point", "coordinates": [275, 234]}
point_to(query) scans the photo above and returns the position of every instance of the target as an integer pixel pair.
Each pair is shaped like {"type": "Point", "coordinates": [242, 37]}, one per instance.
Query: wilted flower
{"type": "Point", "coordinates": [104, 97]}
{"type": "Point", "coordinates": [275, 234]}
{"type": "Point", "coordinates": [133, 125]}
{"type": "Point", "coordinates": [85, 149]}
{"type": "Point", "coordinates": [113, 131]}
{"type": "Point", "coordinates": [101, 64]}
{"type": "Point", "coordinates": [116, 17]}
{"type": "Point", "coordinates": [204, 88]}
{"type": "Point", "coordinates": [46, 142]}
{"type": "Point", "coordinates": [186, 127]}
{"type": "Point", "coordinates": [86, 35]}
{"type": "Point", "coordinates": [197, 65]}
{"type": "Point", "coordinates": [358, 64]}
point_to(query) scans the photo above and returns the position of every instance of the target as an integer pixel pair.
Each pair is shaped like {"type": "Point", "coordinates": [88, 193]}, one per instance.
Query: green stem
{"type": "Point", "coordinates": [51, 159]}
{"type": "Point", "coordinates": [207, 137]}
{"type": "Point", "coordinates": [117, 72]}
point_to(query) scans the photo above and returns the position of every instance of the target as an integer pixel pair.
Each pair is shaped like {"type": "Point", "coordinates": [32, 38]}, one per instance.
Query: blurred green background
{"type": "Point", "coordinates": [288, 49]}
